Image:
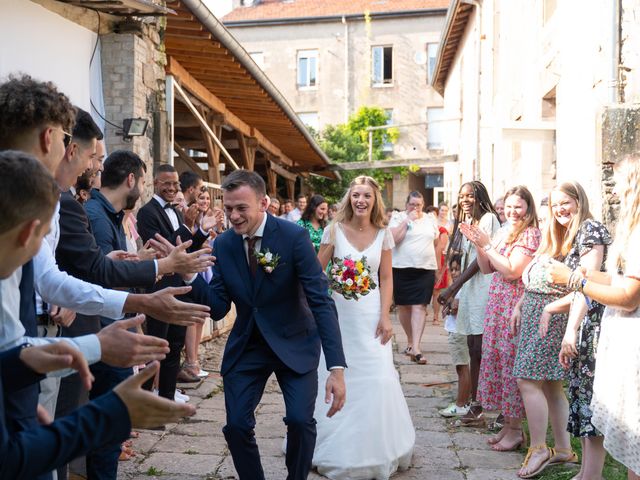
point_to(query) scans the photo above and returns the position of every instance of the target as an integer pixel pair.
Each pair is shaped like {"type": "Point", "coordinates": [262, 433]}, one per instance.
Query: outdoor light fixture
{"type": "Point", "coordinates": [134, 127]}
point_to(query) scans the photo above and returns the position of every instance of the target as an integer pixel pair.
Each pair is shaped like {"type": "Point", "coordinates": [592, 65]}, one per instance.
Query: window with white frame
{"type": "Point", "coordinates": [435, 128]}
{"type": "Point", "coordinates": [382, 65]}
{"type": "Point", "coordinates": [258, 57]}
{"type": "Point", "coordinates": [310, 119]}
{"type": "Point", "coordinates": [387, 146]}
{"type": "Point", "coordinates": [432, 52]}
{"type": "Point", "coordinates": [307, 68]}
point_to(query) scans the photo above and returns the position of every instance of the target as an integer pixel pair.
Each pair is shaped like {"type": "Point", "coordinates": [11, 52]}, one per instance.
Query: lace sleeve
{"type": "Point", "coordinates": [387, 241]}
{"type": "Point", "coordinates": [327, 235]}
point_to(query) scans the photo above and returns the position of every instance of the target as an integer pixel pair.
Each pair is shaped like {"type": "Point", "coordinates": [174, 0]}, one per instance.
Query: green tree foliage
{"type": "Point", "coordinates": [349, 142]}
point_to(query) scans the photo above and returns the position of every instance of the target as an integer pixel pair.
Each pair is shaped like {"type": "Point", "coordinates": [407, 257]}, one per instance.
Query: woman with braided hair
{"type": "Point", "coordinates": [474, 208]}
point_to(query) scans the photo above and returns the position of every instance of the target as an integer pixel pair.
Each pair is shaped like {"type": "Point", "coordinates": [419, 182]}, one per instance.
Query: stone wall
{"type": "Point", "coordinates": [133, 62]}
{"type": "Point", "coordinates": [620, 137]}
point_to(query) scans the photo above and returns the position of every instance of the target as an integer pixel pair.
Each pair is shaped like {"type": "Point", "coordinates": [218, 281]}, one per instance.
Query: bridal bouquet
{"type": "Point", "coordinates": [351, 278]}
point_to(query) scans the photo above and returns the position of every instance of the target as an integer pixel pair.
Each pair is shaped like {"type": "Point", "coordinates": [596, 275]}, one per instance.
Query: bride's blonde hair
{"type": "Point", "coordinates": [628, 172]}
{"type": "Point", "coordinates": [345, 209]}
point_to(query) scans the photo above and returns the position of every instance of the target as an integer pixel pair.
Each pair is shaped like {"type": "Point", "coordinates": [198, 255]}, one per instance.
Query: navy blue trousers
{"type": "Point", "coordinates": [243, 388]}
{"type": "Point", "coordinates": [102, 464]}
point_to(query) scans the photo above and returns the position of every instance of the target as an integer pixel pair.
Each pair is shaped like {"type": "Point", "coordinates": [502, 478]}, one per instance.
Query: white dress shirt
{"type": "Point", "coordinates": [12, 331]}
{"type": "Point", "coordinates": [171, 213]}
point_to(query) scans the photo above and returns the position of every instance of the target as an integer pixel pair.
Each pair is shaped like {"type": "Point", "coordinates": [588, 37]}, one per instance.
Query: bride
{"type": "Point", "coordinates": [373, 436]}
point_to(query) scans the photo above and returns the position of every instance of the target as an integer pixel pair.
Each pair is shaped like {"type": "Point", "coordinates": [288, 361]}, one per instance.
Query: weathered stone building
{"type": "Point", "coordinates": [329, 58]}
{"type": "Point", "coordinates": [544, 93]}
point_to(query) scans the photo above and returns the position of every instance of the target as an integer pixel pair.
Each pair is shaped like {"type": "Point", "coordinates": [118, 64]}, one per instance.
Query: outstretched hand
{"type": "Point", "coordinates": [335, 391]}
{"type": "Point", "coordinates": [121, 348]}
{"type": "Point", "coordinates": [178, 260]}
{"type": "Point", "coordinates": [147, 410]}
{"type": "Point", "coordinates": [57, 356]}
{"type": "Point", "coordinates": [165, 307]}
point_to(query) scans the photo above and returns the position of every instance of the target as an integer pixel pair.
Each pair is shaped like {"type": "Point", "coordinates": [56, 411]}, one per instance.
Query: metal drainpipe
{"type": "Point", "coordinates": [346, 69]}
{"type": "Point", "coordinates": [615, 52]}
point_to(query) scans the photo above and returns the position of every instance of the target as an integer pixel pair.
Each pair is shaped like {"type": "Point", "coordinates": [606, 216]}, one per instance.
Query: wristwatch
{"type": "Point", "coordinates": [487, 247]}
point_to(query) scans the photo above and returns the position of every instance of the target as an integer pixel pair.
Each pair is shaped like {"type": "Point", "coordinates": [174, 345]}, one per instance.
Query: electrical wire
{"type": "Point", "coordinates": [95, 47]}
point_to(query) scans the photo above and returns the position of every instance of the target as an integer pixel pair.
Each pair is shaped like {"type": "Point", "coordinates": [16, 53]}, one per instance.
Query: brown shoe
{"type": "Point", "coordinates": [185, 376]}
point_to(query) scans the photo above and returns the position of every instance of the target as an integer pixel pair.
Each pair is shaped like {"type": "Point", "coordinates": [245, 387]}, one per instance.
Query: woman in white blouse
{"type": "Point", "coordinates": [414, 269]}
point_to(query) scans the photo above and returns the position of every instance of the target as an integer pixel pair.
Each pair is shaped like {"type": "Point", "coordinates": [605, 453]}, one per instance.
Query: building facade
{"type": "Point", "coordinates": [331, 58]}
{"type": "Point", "coordinates": [544, 93]}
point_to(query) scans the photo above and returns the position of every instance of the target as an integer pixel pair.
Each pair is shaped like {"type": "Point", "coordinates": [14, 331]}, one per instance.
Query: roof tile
{"type": "Point", "coordinates": [288, 9]}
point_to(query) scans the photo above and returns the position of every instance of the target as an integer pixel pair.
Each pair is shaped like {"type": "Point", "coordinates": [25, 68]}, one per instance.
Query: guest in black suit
{"type": "Point", "coordinates": [159, 216]}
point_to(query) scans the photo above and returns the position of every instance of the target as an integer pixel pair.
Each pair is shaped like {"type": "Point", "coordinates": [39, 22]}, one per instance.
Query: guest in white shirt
{"type": "Point", "coordinates": [414, 269]}
{"type": "Point", "coordinates": [295, 214]}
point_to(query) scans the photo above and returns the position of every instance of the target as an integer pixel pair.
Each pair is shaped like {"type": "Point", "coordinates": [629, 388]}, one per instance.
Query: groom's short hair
{"type": "Point", "coordinates": [240, 178]}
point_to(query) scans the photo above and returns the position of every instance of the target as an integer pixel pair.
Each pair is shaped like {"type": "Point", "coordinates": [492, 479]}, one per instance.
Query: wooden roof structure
{"type": "Point", "coordinates": [138, 8]}
{"type": "Point", "coordinates": [455, 26]}
{"type": "Point", "coordinates": [239, 104]}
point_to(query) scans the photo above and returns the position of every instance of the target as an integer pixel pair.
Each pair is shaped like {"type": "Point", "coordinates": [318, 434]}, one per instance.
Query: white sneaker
{"type": "Point", "coordinates": [453, 410]}
{"type": "Point", "coordinates": [180, 397]}
{"type": "Point", "coordinates": [203, 374]}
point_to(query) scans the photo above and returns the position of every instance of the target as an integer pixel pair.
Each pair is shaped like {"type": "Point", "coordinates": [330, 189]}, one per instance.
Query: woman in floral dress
{"type": "Point", "coordinates": [497, 389]}
{"type": "Point", "coordinates": [573, 237]}
{"type": "Point", "coordinates": [615, 394]}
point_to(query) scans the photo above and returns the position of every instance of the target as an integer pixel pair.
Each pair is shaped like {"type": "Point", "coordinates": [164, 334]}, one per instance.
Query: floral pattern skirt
{"type": "Point", "coordinates": [581, 375]}
{"type": "Point", "coordinates": [537, 357]}
{"type": "Point", "coordinates": [497, 387]}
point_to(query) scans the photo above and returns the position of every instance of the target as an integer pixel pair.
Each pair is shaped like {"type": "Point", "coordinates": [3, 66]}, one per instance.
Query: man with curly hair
{"type": "Point", "coordinates": [36, 118]}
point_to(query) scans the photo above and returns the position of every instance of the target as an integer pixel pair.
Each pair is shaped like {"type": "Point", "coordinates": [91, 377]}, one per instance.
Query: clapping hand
{"type": "Point", "coordinates": [147, 410]}
{"type": "Point", "coordinates": [214, 221]}
{"type": "Point", "coordinates": [122, 255]}
{"type": "Point", "coordinates": [475, 235]}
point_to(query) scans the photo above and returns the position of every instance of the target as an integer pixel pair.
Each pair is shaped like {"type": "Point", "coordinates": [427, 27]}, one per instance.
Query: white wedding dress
{"type": "Point", "coordinates": [372, 436]}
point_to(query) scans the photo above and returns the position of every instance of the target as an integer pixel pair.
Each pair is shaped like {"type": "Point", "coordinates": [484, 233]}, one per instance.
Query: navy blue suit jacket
{"type": "Point", "coordinates": [291, 305]}
{"type": "Point", "coordinates": [39, 450]}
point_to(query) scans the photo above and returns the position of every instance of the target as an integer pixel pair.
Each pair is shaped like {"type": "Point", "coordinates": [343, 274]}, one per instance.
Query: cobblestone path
{"type": "Point", "coordinates": [195, 449]}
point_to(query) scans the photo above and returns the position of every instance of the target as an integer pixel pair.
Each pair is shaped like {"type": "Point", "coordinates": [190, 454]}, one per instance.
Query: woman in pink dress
{"type": "Point", "coordinates": [508, 257]}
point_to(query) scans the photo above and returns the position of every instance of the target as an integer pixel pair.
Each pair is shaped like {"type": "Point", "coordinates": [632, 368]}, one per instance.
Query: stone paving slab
{"type": "Point", "coordinates": [195, 449]}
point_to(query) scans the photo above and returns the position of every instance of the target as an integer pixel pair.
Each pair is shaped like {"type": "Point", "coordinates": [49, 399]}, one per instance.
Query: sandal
{"type": "Point", "coordinates": [473, 418]}
{"type": "Point", "coordinates": [563, 455]}
{"type": "Point", "coordinates": [419, 359]}
{"type": "Point", "coordinates": [407, 351]}
{"type": "Point", "coordinates": [542, 466]}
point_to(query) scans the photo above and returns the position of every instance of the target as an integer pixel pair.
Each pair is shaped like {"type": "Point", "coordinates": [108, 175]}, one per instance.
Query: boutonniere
{"type": "Point", "coordinates": [267, 260]}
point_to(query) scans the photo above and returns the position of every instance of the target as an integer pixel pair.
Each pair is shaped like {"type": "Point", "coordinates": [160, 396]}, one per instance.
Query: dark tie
{"type": "Point", "coordinates": [253, 261]}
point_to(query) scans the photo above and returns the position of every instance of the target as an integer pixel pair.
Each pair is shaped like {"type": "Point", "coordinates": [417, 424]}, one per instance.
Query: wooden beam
{"type": "Point", "coordinates": [281, 171]}
{"type": "Point", "coordinates": [191, 163]}
{"type": "Point", "coordinates": [272, 182]}
{"type": "Point", "coordinates": [291, 189]}
{"type": "Point", "coordinates": [213, 152]}
{"type": "Point", "coordinates": [247, 150]}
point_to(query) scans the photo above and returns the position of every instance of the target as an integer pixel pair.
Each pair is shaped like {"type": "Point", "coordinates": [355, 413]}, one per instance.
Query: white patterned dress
{"type": "Point", "coordinates": [372, 436]}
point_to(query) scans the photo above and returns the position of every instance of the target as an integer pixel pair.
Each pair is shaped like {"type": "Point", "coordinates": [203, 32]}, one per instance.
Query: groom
{"type": "Point", "coordinates": [284, 314]}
